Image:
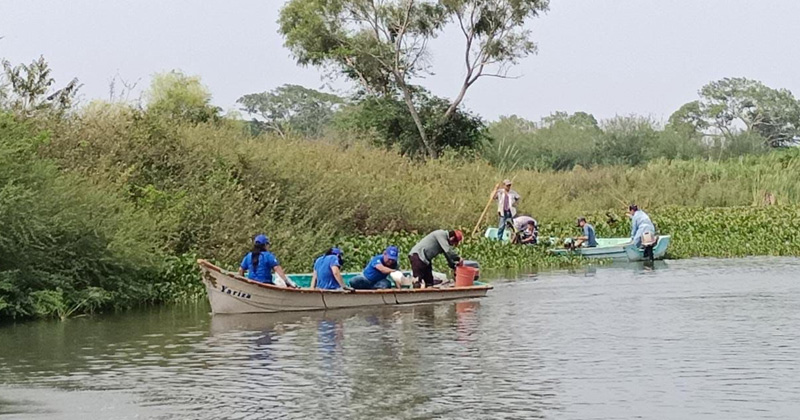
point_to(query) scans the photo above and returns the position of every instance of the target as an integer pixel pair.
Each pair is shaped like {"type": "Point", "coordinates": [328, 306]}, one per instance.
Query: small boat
{"type": "Point", "coordinates": [230, 293]}
{"type": "Point", "coordinates": [618, 249]}
{"type": "Point", "coordinates": [491, 233]}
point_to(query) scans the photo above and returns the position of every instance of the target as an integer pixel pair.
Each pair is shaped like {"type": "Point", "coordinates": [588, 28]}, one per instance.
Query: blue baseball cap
{"type": "Point", "coordinates": [336, 251]}
{"type": "Point", "coordinates": [392, 252]}
{"type": "Point", "coordinates": [262, 240]}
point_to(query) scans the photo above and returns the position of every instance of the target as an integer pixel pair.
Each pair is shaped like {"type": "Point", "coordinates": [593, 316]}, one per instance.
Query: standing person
{"type": "Point", "coordinates": [437, 242]}
{"type": "Point", "coordinates": [588, 238]}
{"type": "Point", "coordinates": [641, 227]}
{"type": "Point", "coordinates": [377, 270]}
{"type": "Point", "coordinates": [260, 263]}
{"type": "Point", "coordinates": [506, 206]}
{"type": "Point", "coordinates": [328, 271]}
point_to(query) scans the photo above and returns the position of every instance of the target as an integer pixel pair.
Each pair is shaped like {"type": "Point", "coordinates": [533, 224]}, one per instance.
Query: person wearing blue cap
{"type": "Point", "coordinates": [377, 270]}
{"type": "Point", "coordinates": [260, 263]}
{"type": "Point", "coordinates": [328, 271]}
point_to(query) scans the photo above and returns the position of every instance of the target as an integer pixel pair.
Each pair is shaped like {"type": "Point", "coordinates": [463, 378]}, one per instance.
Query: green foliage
{"type": "Point", "coordinates": [732, 105]}
{"type": "Point", "coordinates": [386, 122]}
{"type": "Point", "coordinates": [67, 244]}
{"type": "Point", "coordinates": [292, 108]}
{"type": "Point", "coordinates": [382, 46]}
{"type": "Point", "coordinates": [178, 97]}
{"type": "Point", "coordinates": [26, 90]}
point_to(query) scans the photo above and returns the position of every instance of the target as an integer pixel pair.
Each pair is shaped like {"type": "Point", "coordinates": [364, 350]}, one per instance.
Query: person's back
{"type": "Point", "coordinates": [521, 222]}
{"type": "Point", "coordinates": [588, 232]}
{"type": "Point", "coordinates": [325, 277]}
{"type": "Point", "coordinates": [261, 269]}
{"type": "Point", "coordinates": [432, 245]}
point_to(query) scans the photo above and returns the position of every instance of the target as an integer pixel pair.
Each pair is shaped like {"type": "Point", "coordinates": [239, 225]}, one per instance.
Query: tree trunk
{"type": "Point", "coordinates": [417, 121]}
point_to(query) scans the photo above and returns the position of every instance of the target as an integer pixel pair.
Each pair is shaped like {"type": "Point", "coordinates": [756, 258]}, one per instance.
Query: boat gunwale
{"type": "Point", "coordinates": [235, 276]}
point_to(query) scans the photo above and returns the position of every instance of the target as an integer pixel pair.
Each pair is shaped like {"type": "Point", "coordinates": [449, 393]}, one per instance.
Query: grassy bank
{"type": "Point", "coordinates": [108, 208]}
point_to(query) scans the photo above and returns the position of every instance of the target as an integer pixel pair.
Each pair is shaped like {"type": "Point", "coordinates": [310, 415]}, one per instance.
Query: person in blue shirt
{"type": "Point", "coordinates": [328, 271]}
{"type": "Point", "coordinates": [377, 270]}
{"type": "Point", "coordinates": [588, 238]}
{"type": "Point", "coordinates": [641, 225]}
{"type": "Point", "coordinates": [260, 263]}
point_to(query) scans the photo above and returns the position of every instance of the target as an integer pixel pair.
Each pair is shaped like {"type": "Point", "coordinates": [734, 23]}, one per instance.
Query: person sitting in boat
{"type": "Point", "coordinates": [589, 238]}
{"type": "Point", "coordinates": [377, 271]}
{"type": "Point", "coordinates": [641, 227]}
{"type": "Point", "coordinates": [422, 254]}
{"type": "Point", "coordinates": [527, 230]}
{"type": "Point", "coordinates": [260, 263]}
{"type": "Point", "coordinates": [328, 271]}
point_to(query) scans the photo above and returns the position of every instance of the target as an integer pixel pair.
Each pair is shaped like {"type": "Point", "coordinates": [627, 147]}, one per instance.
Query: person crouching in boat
{"type": "Point", "coordinates": [260, 263]}
{"type": "Point", "coordinates": [328, 271]}
{"type": "Point", "coordinates": [643, 231]}
{"type": "Point", "coordinates": [376, 273]}
{"type": "Point", "coordinates": [588, 239]}
{"type": "Point", "coordinates": [527, 230]}
{"type": "Point", "coordinates": [422, 254]}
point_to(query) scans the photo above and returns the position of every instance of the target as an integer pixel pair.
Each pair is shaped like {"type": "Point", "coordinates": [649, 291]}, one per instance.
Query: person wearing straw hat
{"type": "Point", "coordinates": [422, 254]}
{"type": "Point", "coordinates": [506, 206]}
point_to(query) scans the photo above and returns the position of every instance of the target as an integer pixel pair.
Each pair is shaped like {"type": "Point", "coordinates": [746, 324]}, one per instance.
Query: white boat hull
{"type": "Point", "coordinates": [229, 293]}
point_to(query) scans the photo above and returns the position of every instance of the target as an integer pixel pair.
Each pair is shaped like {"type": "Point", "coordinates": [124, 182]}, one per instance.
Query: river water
{"type": "Point", "coordinates": [715, 339]}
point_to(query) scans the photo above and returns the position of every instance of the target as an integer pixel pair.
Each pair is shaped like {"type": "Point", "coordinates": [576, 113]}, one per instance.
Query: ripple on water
{"type": "Point", "coordinates": [692, 339]}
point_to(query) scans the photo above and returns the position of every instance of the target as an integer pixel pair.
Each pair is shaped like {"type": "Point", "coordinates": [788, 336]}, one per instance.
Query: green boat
{"type": "Point", "coordinates": [618, 249]}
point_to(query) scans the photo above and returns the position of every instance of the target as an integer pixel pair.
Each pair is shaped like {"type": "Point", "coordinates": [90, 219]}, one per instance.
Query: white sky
{"type": "Point", "coordinates": [606, 57]}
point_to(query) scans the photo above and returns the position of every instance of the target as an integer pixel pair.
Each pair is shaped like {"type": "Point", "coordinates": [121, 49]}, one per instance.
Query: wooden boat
{"type": "Point", "coordinates": [618, 249]}
{"type": "Point", "coordinates": [230, 293]}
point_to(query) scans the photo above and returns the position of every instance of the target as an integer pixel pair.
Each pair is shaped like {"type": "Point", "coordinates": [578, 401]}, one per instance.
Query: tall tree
{"type": "Point", "coordinates": [292, 108]}
{"type": "Point", "coordinates": [733, 105]}
{"type": "Point", "coordinates": [382, 45]}
{"type": "Point", "coordinates": [27, 89]}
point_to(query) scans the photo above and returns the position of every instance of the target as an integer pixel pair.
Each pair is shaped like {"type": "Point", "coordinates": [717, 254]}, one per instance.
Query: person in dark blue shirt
{"type": "Point", "coordinates": [260, 263]}
{"type": "Point", "coordinates": [588, 237]}
{"type": "Point", "coordinates": [377, 270]}
{"type": "Point", "coordinates": [328, 271]}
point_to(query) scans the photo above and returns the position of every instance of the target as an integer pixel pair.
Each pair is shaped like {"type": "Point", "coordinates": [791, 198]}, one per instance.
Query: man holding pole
{"type": "Point", "coordinates": [506, 206]}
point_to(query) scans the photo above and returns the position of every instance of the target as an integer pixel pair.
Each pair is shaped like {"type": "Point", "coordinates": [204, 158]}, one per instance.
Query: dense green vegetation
{"type": "Point", "coordinates": [107, 205]}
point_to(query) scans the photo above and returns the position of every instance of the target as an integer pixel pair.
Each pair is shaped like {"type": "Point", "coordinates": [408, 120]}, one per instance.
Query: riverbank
{"type": "Point", "coordinates": [108, 208]}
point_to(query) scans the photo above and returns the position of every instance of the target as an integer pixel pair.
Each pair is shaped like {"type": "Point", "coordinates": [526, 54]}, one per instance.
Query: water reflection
{"type": "Point", "coordinates": [691, 339]}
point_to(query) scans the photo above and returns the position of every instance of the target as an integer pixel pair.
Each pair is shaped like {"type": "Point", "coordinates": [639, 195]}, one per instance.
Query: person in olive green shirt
{"type": "Point", "coordinates": [437, 242]}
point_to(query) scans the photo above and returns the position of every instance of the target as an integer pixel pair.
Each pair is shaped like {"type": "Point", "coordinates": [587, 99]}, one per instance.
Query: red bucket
{"type": "Point", "coordinates": [465, 276]}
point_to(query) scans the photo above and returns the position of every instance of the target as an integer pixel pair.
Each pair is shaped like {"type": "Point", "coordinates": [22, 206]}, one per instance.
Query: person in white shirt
{"type": "Point", "coordinates": [506, 206]}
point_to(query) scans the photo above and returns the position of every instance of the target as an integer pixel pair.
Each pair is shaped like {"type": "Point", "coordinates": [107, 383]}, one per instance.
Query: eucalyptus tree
{"type": "Point", "coordinates": [383, 45]}
{"type": "Point", "coordinates": [731, 106]}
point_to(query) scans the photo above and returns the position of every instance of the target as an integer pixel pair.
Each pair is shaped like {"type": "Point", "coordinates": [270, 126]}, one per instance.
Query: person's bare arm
{"type": "Point", "coordinates": [314, 279]}
{"type": "Point", "coordinates": [241, 271]}
{"type": "Point", "coordinates": [337, 274]}
{"type": "Point", "coordinates": [384, 269]}
{"type": "Point", "coordinates": [279, 271]}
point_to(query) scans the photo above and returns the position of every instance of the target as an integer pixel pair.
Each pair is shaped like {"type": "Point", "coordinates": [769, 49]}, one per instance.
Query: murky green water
{"type": "Point", "coordinates": [717, 339]}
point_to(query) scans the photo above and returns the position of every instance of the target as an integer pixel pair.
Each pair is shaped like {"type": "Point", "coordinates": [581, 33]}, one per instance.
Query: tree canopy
{"type": "Point", "coordinates": [292, 108]}
{"type": "Point", "coordinates": [382, 46]}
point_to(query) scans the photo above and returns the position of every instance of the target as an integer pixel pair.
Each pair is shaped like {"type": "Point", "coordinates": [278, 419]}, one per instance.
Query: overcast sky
{"type": "Point", "coordinates": [607, 57]}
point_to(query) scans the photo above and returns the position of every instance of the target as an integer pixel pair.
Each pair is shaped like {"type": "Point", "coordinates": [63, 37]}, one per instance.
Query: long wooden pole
{"type": "Point", "coordinates": [485, 209]}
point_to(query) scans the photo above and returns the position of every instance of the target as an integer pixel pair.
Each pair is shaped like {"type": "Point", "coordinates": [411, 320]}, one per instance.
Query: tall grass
{"type": "Point", "coordinates": [110, 207]}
